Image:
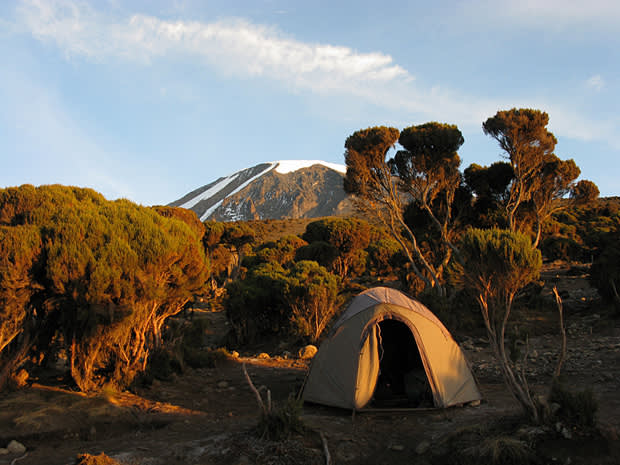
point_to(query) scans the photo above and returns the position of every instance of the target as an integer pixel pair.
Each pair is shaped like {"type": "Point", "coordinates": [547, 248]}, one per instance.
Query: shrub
{"type": "Point", "coordinates": [281, 422]}
{"type": "Point", "coordinates": [111, 274]}
{"type": "Point", "coordinates": [496, 264]}
{"type": "Point", "coordinates": [312, 292]}
{"type": "Point", "coordinates": [575, 409]}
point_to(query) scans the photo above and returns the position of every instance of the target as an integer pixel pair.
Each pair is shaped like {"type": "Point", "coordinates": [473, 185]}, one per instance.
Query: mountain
{"type": "Point", "coordinates": [273, 190]}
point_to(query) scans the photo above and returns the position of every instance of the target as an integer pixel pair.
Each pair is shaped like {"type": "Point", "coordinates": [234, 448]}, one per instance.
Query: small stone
{"type": "Point", "coordinates": [397, 447]}
{"type": "Point", "coordinates": [475, 403]}
{"type": "Point", "coordinates": [307, 352]}
{"type": "Point", "coordinates": [15, 447]}
{"type": "Point", "coordinates": [422, 447]}
{"type": "Point", "coordinates": [263, 356]}
{"type": "Point", "coordinates": [21, 379]}
{"type": "Point", "coordinates": [222, 384]}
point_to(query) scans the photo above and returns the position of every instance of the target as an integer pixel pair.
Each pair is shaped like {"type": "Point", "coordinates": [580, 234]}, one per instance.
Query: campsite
{"type": "Point", "coordinates": [209, 415]}
{"type": "Point", "coordinates": [456, 318]}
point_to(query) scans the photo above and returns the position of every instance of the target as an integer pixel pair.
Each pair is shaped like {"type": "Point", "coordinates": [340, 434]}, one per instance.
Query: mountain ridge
{"type": "Point", "coordinates": [273, 190]}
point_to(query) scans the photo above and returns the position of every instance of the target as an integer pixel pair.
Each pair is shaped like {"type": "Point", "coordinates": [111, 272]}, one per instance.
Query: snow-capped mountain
{"type": "Point", "coordinates": [272, 190]}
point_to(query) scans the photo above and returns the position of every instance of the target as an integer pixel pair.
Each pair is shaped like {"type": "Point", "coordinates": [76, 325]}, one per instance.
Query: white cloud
{"type": "Point", "coordinates": [239, 48]}
{"type": "Point", "coordinates": [235, 46]}
{"type": "Point", "coordinates": [596, 82]}
{"type": "Point", "coordinates": [548, 14]}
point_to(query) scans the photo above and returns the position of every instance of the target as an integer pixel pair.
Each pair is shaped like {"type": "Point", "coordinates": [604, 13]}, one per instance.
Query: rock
{"type": "Point", "coordinates": [222, 384]}
{"type": "Point", "coordinates": [346, 452]}
{"type": "Point", "coordinates": [307, 352]}
{"type": "Point", "coordinates": [422, 447]}
{"type": "Point", "coordinates": [263, 356]}
{"type": "Point", "coordinates": [244, 460]}
{"type": "Point", "coordinates": [21, 379]}
{"type": "Point", "coordinates": [475, 403]}
{"type": "Point", "coordinates": [397, 447]}
{"type": "Point", "coordinates": [15, 447]}
{"type": "Point", "coordinates": [3, 451]}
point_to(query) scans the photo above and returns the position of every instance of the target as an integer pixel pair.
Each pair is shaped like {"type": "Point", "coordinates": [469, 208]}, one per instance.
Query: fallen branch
{"type": "Point", "coordinates": [328, 458]}
{"type": "Point", "coordinates": [14, 461]}
{"type": "Point", "coordinates": [259, 399]}
{"type": "Point", "coordinates": [558, 301]}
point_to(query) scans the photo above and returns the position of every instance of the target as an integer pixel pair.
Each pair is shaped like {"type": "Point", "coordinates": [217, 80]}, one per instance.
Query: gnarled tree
{"type": "Point", "coordinates": [522, 134]}
{"type": "Point", "coordinates": [425, 173]}
{"type": "Point", "coordinates": [496, 265]}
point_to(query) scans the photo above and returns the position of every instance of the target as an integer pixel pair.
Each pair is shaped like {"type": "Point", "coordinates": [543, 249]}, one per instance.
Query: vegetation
{"type": "Point", "coordinates": [496, 265]}
{"type": "Point", "coordinates": [425, 172]}
{"type": "Point", "coordinates": [93, 279]}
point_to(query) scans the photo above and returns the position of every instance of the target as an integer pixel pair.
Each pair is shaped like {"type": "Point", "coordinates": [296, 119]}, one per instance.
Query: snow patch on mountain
{"type": "Point", "coordinates": [210, 192]}
{"type": "Point", "coordinates": [288, 166]}
{"type": "Point", "coordinates": [216, 205]}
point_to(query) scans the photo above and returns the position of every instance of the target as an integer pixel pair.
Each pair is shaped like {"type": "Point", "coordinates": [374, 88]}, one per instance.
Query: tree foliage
{"type": "Point", "coordinates": [111, 274]}
{"type": "Point", "coordinates": [585, 192]}
{"type": "Point", "coordinates": [347, 238]}
{"type": "Point", "coordinates": [425, 173]}
{"type": "Point", "coordinates": [496, 265]}
{"type": "Point", "coordinates": [522, 134]}
{"type": "Point", "coordinates": [313, 295]}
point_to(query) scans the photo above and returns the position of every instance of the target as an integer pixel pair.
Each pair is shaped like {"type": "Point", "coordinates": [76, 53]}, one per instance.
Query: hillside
{"type": "Point", "coordinates": [274, 190]}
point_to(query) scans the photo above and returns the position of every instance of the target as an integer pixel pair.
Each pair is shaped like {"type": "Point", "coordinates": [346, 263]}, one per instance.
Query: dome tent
{"type": "Point", "coordinates": [346, 370]}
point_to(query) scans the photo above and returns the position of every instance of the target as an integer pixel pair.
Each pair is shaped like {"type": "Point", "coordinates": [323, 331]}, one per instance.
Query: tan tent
{"type": "Point", "coordinates": [389, 346]}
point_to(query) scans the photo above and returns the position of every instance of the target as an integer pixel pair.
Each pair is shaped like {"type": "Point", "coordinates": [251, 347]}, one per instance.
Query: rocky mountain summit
{"type": "Point", "coordinates": [273, 190]}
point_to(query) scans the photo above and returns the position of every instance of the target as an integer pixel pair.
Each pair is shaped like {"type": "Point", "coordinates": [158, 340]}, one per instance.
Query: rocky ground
{"type": "Point", "coordinates": [209, 416]}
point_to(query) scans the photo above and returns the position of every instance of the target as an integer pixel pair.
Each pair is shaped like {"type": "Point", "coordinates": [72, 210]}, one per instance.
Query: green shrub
{"type": "Point", "coordinates": [280, 423]}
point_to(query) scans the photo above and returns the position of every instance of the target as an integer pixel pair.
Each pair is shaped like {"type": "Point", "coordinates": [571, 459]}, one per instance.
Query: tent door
{"type": "Point", "coordinates": [402, 379]}
{"type": "Point", "coordinates": [367, 369]}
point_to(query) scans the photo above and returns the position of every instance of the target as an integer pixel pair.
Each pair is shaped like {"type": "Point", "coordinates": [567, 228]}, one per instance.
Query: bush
{"type": "Point", "coordinates": [278, 424]}
{"type": "Point", "coordinates": [563, 248]}
{"type": "Point", "coordinates": [605, 271]}
{"type": "Point", "coordinates": [312, 293]}
{"type": "Point", "coordinates": [575, 409]}
{"type": "Point", "coordinates": [111, 273]}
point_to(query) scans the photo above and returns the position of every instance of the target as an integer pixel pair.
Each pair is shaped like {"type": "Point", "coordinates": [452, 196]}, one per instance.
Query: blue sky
{"type": "Point", "coordinates": [151, 99]}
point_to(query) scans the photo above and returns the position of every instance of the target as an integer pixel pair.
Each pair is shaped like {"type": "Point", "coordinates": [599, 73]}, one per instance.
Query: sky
{"type": "Point", "coordinates": [149, 100]}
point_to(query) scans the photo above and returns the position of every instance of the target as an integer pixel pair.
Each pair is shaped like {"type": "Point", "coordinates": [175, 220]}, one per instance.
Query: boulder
{"type": "Point", "coordinates": [15, 447]}
{"type": "Point", "coordinates": [307, 352]}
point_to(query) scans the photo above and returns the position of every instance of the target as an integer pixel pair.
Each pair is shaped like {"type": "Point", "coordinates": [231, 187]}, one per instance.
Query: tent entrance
{"type": "Point", "coordinates": [402, 380]}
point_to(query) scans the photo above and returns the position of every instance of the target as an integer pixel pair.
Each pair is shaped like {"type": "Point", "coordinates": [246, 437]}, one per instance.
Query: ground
{"type": "Point", "coordinates": [209, 416]}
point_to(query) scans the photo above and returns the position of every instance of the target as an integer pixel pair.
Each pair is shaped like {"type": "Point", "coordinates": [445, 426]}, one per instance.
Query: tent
{"type": "Point", "coordinates": [388, 346]}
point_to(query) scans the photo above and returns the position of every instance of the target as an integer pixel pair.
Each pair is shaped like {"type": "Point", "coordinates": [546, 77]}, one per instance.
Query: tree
{"type": "Point", "coordinates": [282, 251]}
{"type": "Point", "coordinates": [490, 185]}
{"type": "Point", "coordinates": [20, 249]}
{"type": "Point", "coordinates": [425, 172]}
{"type": "Point", "coordinates": [428, 170]}
{"type": "Point", "coordinates": [256, 305]}
{"type": "Point", "coordinates": [111, 274]}
{"type": "Point", "coordinates": [348, 237]}
{"type": "Point", "coordinates": [522, 134]}
{"type": "Point", "coordinates": [585, 192]}
{"type": "Point", "coordinates": [312, 293]}
{"type": "Point", "coordinates": [496, 265]}
{"type": "Point", "coordinates": [555, 180]}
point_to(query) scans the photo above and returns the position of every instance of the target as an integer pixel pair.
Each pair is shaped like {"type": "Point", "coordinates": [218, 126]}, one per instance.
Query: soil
{"type": "Point", "coordinates": [210, 416]}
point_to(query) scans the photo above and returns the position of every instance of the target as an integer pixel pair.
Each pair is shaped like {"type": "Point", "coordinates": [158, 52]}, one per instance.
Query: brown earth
{"type": "Point", "coordinates": [209, 416]}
